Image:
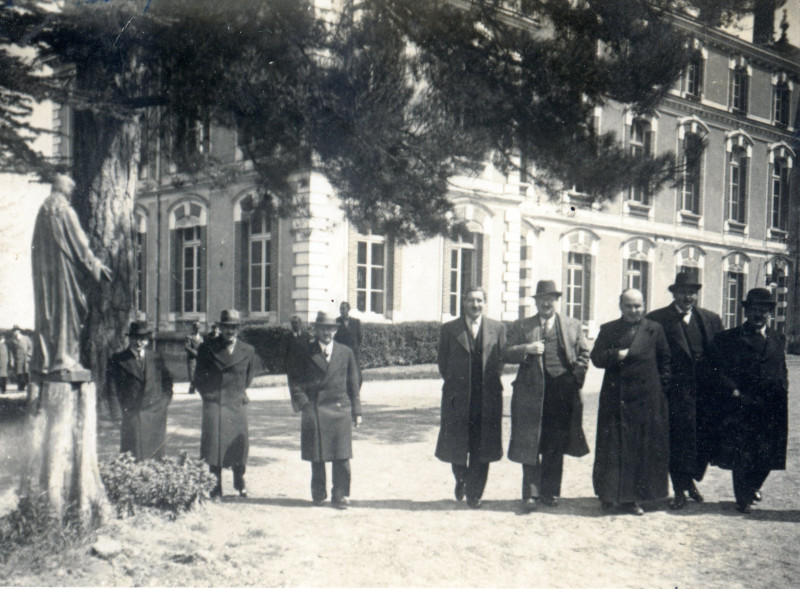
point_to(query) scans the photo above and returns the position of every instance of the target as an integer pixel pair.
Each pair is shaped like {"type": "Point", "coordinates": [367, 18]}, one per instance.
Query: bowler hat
{"type": "Point", "coordinates": [759, 296]}
{"type": "Point", "coordinates": [229, 317]}
{"type": "Point", "coordinates": [684, 280]}
{"type": "Point", "coordinates": [324, 318]}
{"type": "Point", "coordinates": [545, 288]}
{"type": "Point", "coordinates": [139, 329]}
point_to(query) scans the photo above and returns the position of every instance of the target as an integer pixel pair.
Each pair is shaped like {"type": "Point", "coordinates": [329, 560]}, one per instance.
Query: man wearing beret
{"type": "Point", "coordinates": [225, 368]}
{"type": "Point", "coordinates": [689, 330]}
{"type": "Point", "coordinates": [747, 365]}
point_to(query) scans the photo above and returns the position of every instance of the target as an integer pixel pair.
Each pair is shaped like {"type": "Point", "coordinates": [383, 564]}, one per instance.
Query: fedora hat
{"type": "Point", "coordinates": [139, 329]}
{"type": "Point", "coordinates": [759, 296]}
{"type": "Point", "coordinates": [229, 317]}
{"type": "Point", "coordinates": [684, 280]}
{"type": "Point", "coordinates": [324, 318]}
{"type": "Point", "coordinates": [545, 288]}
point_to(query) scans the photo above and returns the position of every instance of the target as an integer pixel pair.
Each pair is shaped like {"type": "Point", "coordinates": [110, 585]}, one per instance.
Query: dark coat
{"type": "Point", "coordinates": [632, 449]}
{"type": "Point", "coordinates": [294, 352]}
{"type": "Point", "coordinates": [143, 398]}
{"type": "Point", "coordinates": [454, 366]}
{"type": "Point", "coordinates": [527, 399]}
{"type": "Point", "coordinates": [753, 428]}
{"type": "Point", "coordinates": [350, 336]}
{"type": "Point", "coordinates": [690, 410]}
{"type": "Point", "coordinates": [328, 398]}
{"type": "Point", "coordinates": [221, 379]}
{"type": "Point", "coordinates": [191, 344]}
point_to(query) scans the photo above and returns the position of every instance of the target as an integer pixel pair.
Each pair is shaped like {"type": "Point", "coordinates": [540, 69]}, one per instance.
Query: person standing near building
{"type": "Point", "coordinates": [747, 367]}
{"type": "Point", "coordinates": [349, 334]}
{"type": "Point", "coordinates": [21, 353]}
{"type": "Point", "coordinates": [4, 363]}
{"type": "Point", "coordinates": [139, 379]}
{"type": "Point", "coordinates": [213, 333]}
{"type": "Point", "coordinates": [632, 450]}
{"type": "Point", "coordinates": [546, 408]}
{"type": "Point", "coordinates": [294, 352]}
{"type": "Point", "coordinates": [225, 368]}
{"type": "Point", "coordinates": [470, 360]}
{"type": "Point", "coordinates": [689, 330]}
{"type": "Point", "coordinates": [325, 391]}
{"type": "Point", "coordinates": [191, 344]}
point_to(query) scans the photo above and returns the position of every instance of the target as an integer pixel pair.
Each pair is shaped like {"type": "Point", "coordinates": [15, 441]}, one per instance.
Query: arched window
{"type": "Point", "coordinates": [188, 222]}
{"type": "Point", "coordinates": [782, 92]}
{"type": "Point", "coordinates": [739, 149]}
{"type": "Point", "coordinates": [691, 136]}
{"type": "Point", "coordinates": [640, 138]}
{"type": "Point", "coordinates": [781, 159]}
{"type": "Point", "coordinates": [255, 273]}
{"type": "Point", "coordinates": [637, 257]}
{"type": "Point", "coordinates": [695, 71]}
{"type": "Point", "coordinates": [580, 251]}
{"type": "Point", "coordinates": [734, 280]}
{"type": "Point", "coordinates": [464, 261]}
{"type": "Point", "coordinates": [740, 85]}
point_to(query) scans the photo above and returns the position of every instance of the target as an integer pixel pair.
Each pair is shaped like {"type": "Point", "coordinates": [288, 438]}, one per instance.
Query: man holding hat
{"type": "Point", "coordinates": [747, 365]}
{"type": "Point", "coordinates": [546, 407]}
{"type": "Point", "coordinates": [689, 330]}
{"type": "Point", "coordinates": [140, 380]}
{"type": "Point", "coordinates": [225, 368]}
{"type": "Point", "coordinates": [326, 392]}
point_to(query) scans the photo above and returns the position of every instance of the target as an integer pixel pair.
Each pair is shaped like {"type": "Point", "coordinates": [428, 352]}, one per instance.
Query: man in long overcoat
{"type": "Point", "coordinates": [349, 334]}
{"type": "Point", "coordinates": [225, 368]}
{"type": "Point", "coordinates": [140, 380]}
{"type": "Point", "coordinates": [546, 407]}
{"type": "Point", "coordinates": [748, 370]}
{"type": "Point", "coordinates": [632, 450]}
{"type": "Point", "coordinates": [689, 330]}
{"type": "Point", "coordinates": [190, 345]}
{"type": "Point", "coordinates": [326, 392]}
{"type": "Point", "coordinates": [470, 361]}
{"type": "Point", "coordinates": [21, 353]}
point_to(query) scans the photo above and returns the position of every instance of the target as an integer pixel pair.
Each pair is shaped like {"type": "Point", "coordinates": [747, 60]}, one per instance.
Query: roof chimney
{"type": "Point", "coordinates": [763, 22]}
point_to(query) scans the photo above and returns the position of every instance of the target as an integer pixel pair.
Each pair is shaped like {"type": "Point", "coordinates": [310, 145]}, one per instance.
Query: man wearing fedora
{"type": "Point", "coordinates": [139, 379]}
{"type": "Point", "coordinates": [747, 365]}
{"type": "Point", "coordinates": [471, 363]}
{"type": "Point", "coordinates": [225, 368]}
{"type": "Point", "coordinates": [325, 390]}
{"type": "Point", "coordinates": [546, 407]}
{"type": "Point", "coordinates": [689, 330]}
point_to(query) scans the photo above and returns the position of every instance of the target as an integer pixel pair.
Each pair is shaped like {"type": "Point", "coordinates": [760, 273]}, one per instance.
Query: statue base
{"type": "Point", "coordinates": [74, 374]}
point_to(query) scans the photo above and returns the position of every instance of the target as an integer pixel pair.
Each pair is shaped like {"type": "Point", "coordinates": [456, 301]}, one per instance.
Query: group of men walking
{"type": "Point", "coordinates": [678, 393]}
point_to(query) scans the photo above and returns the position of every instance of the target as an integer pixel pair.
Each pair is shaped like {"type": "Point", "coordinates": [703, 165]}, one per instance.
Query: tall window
{"type": "Point", "coordinates": [691, 173]}
{"type": "Point", "coordinates": [140, 303]}
{"type": "Point", "coordinates": [640, 144]}
{"type": "Point", "coordinates": [740, 84]}
{"type": "Point", "coordinates": [637, 275]}
{"type": "Point", "coordinates": [191, 269]}
{"type": "Point", "coordinates": [732, 305]}
{"type": "Point", "coordinates": [260, 263]}
{"type": "Point", "coordinates": [187, 226]}
{"type": "Point", "coordinates": [578, 290]}
{"type": "Point", "coordinates": [371, 273]}
{"type": "Point", "coordinates": [737, 185]}
{"type": "Point", "coordinates": [465, 267]}
{"type": "Point", "coordinates": [780, 194]}
{"type": "Point", "coordinates": [778, 283]}
{"type": "Point", "coordinates": [781, 105]}
{"type": "Point", "coordinates": [694, 76]}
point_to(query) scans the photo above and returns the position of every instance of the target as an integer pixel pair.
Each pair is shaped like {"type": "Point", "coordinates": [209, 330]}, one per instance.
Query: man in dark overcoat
{"type": "Point", "coordinates": [747, 367]}
{"type": "Point", "coordinates": [326, 392]}
{"type": "Point", "coordinates": [470, 360]}
{"type": "Point", "coordinates": [190, 345]}
{"type": "Point", "coordinates": [546, 407]}
{"type": "Point", "coordinates": [632, 450]}
{"type": "Point", "coordinates": [689, 330]}
{"type": "Point", "coordinates": [349, 334]}
{"type": "Point", "coordinates": [294, 352]}
{"type": "Point", "coordinates": [225, 368]}
{"type": "Point", "coordinates": [139, 379]}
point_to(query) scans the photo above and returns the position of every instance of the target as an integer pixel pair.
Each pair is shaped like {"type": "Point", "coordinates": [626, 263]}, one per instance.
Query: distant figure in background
{"type": "Point", "coordinates": [349, 334]}
{"type": "Point", "coordinates": [140, 380]}
{"type": "Point", "coordinates": [225, 368]}
{"type": "Point", "coordinates": [191, 345]}
{"type": "Point", "coordinates": [294, 351]}
{"type": "Point", "coordinates": [213, 333]}
{"type": "Point", "coordinates": [747, 367]}
{"type": "Point", "coordinates": [21, 353]}
{"type": "Point", "coordinates": [61, 261]}
{"type": "Point", "coordinates": [4, 363]}
{"type": "Point", "coordinates": [632, 450]}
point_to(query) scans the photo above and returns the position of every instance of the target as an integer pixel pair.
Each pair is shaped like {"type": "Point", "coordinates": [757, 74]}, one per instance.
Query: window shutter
{"type": "Point", "coordinates": [743, 190]}
{"type": "Point", "coordinates": [241, 255]}
{"type": "Point", "coordinates": [176, 271]}
{"type": "Point", "coordinates": [201, 271]}
{"type": "Point", "coordinates": [648, 143]}
{"type": "Point", "coordinates": [480, 243]}
{"type": "Point", "coordinates": [143, 273]}
{"type": "Point", "coordinates": [389, 277]}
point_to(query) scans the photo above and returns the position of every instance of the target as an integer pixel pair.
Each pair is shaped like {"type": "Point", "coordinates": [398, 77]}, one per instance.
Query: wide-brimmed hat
{"type": "Point", "coordinates": [229, 317]}
{"type": "Point", "coordinates": [324, 318]}
{"type": "Point", "coordinates": [759, 296]}
{"type": "Point", "coordinates": [545, 288]}
{"type": "Point", "coordinates": [139, 329]}
{"type": "Point", "coordinates": [684, 280]}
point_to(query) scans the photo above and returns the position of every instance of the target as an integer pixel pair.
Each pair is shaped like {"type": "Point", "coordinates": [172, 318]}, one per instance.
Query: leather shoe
{"type": "Point", "coordinates": [679, 502]}
{"type": "Point", "coordinates": [757, 496]}
{"type": "Point", "coordinates": [341, 503]}
{"type": "Point", "coordinates": [318, 502]}
{"type": "Point", "coordinates": [529, 504]}
{"type": "Point", "coordinates": [695, 495]}
{"type": "Point", "coordinates": [461, 489]}
{"type": "Point", "coordinates": [549, 501]}
{"type": "Point", "coordinates": [217, 492]}
{"type": "Point", "coordinates": [474, 503]}
{"type": "Point", "coordinates": [634, 509]}
{"type": "Point", "coordinates": [243, 493]}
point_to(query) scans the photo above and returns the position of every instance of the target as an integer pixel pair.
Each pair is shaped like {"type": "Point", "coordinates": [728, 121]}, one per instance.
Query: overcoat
{"type": "Point", "coordinates": [351, 336]}
{"type": "Point", "coordinates": [632, 448]}
{"type": "Point", "coordinates": [294, 351]}
{"type": "Point", "coordinates": [221, 379]}
{"type": "Point", "coordinates": [527, 399]}
{"type": "Point", "coordinates": [454, 366]}
{"type": "Point", "coordinates": [691, 412]}
{"type": "Point", "coordinates": [328, 398]}
{"type": "Point", "coordinates": [753, 428]}
{"type": "Point", "coordinates": [143, 397]}
{"type": "Point", "coordinates": [21, 353]}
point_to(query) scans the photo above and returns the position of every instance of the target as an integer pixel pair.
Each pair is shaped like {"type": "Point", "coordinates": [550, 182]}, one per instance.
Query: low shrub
{"type": "Point", "coordinates": [173, 485]}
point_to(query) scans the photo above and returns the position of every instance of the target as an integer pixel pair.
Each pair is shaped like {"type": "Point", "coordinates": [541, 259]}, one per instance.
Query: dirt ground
{"type": "Point", "coordinates": [404, 528]}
